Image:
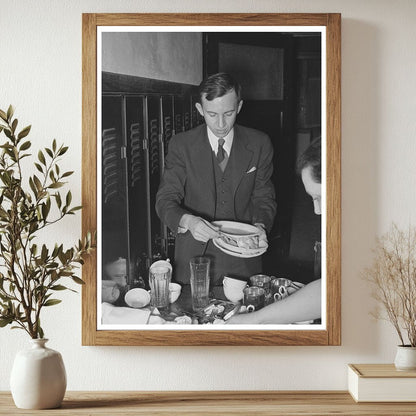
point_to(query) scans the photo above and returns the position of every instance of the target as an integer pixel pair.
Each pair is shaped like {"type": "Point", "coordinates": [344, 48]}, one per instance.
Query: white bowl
{"type": "Point", "coordinates": [234, 295]}
{"type": "Point", "coordinates": [137, 298]}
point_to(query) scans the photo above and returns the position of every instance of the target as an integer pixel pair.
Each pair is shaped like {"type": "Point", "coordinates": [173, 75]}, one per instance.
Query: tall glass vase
{"type": "Point", "coordinates": [38, 377]}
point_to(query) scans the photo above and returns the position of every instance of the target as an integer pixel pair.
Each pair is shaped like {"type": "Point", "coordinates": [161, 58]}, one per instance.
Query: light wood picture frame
{"type": "Point", "coordinates": [329, 332]}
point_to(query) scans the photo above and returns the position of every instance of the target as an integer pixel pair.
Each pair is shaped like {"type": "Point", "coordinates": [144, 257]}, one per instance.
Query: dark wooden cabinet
{"type": "Point", "coordinates": [139, 117]}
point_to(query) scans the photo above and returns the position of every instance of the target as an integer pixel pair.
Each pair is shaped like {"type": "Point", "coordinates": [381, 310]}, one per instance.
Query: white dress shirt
{"type": "Point", "coordinates": [228, 141]}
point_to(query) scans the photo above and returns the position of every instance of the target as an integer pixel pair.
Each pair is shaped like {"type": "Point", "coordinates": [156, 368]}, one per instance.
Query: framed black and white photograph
{"type": "Point", "coordinates": [211, 172]}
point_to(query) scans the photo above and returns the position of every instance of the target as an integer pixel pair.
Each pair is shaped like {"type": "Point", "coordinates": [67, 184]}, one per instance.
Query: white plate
{"type": "Point", "coordinates": [244, 254]}
{"type": "Point", "coordinates": [236, 229]}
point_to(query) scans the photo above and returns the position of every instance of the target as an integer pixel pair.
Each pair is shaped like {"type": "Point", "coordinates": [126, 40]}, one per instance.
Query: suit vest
{"type": "Point", "coordinates": [224, 207]}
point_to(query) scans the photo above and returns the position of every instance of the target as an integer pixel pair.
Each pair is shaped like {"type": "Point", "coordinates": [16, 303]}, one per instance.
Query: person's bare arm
{"type": "Point", "coordinates": [303, 305]}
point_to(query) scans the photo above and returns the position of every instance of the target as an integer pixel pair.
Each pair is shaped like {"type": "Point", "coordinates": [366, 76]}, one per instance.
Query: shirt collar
{"type": "Point", "coordinates": [213, 141]}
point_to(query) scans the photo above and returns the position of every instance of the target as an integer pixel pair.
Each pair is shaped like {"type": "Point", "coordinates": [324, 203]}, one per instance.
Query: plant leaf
{"type": "Point", "coordinates": [59, 287]}
{"type": "Point", "coordinates": [51, 302]}
{"type": "Point", "coordinates": [5, 321]}
{"type": "Point", "coordinates": [14, 125]}
{"type": "Point", "coordinates": [41, 157]}
{"type": "Point", "coordinates": [39, 167]}
{"type": "Point", "coordinates": [76, 279]}
{"type": "Point", "coordinates": [45, 211]}
{"type": "Point", "coordinates": [77, 208]}
{"type": "Point", "coordinates": [68, 199]}
{"type": "Point", "coordinates": [24, 132]}
{"type": "Point", "coordinates": [67, 174]}
{"type": "Point", "coordinates": [58, 199]}
{"type": "Point", "coordinates": [56, 185]}
{"type": "Point", "coordinates": [33, 187]}
{"type": "Point", "coordinates": [10, 112]}
{"type": "Point", "coordinates": [44, 253]}
{"type": "Point", "coordinates": [37, 182]}
{"type": "Point", "coordinates": [8, 133]}
{"type": "Point", "coordinates": [25, 145]}
{"type": "Point", "coordinates": [40, 332]}
{"type": "Point", "coordinates": [63, 150]}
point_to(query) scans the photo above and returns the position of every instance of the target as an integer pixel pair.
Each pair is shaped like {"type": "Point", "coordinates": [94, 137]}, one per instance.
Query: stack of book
{"type": "Point", "coordinates": [381, 383]}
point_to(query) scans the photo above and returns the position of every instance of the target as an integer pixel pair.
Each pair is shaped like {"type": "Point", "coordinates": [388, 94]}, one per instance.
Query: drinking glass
{"type": "Point", "coordinates": [200, 281]}
{"type": "Point", "coordinates": [254, 298]}
{"type": "Point", "coordinates": [160, 274]}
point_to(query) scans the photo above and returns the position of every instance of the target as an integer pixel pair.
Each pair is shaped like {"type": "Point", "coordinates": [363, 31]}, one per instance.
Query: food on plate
{"type": "Point", "coordinates": [246, 242]}
{"type": "Point", "coordinates": [214, 309]}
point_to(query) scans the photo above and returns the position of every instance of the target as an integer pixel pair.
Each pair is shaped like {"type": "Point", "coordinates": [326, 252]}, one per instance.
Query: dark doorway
{"type": "Point", "coordinates": [269, 67]}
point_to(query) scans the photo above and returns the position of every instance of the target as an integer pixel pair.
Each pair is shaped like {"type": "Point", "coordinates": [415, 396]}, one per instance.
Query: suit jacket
{"type": "Point", "coordinates": [188, 187]}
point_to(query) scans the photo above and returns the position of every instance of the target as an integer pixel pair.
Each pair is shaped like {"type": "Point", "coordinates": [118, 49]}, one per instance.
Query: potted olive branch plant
{"type": "Point", "coordinates": [30, 272]}
{"type": "Point", "coordinates": [393, 277]}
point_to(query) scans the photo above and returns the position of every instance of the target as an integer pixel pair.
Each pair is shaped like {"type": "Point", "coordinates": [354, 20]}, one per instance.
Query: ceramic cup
{"type": "Point", "coordinates": [174, 292]}
{"type": "Point", "coordinates": [234, 283]}
{"type": "Point", "coordinates": [233, 288]}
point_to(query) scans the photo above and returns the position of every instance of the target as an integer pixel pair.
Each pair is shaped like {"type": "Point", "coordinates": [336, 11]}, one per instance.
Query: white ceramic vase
{"type": "Point", "coordinates": [405, 358]}
{"type": "Point", "coordinates": [38, 377]}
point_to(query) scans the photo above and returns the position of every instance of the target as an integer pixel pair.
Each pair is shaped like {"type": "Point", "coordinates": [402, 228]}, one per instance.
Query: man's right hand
{"type": "Point", "coordinates": [200, 229]}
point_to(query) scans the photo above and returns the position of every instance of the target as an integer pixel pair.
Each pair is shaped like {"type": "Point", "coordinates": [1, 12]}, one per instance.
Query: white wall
{"type": "Point", "coordinates": [40, 73]}
{"type": "Point", "coordinates": [179, 57]}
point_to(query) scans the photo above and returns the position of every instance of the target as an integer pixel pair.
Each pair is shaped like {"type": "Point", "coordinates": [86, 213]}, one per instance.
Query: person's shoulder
{"type": "Point", "coordinates": [185, 136]}
{"type": "Point", "coordinates": [251, 133]}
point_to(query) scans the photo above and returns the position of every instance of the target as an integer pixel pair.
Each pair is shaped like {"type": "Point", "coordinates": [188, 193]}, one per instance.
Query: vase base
{"type": "Point", "coordinates": [405, 368]}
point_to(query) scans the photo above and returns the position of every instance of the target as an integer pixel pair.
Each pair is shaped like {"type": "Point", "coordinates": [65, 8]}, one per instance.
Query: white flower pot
{"type": "Point", "coordinates": [405, 358]}
{"type": "Point", "coordinates": [38, 377]}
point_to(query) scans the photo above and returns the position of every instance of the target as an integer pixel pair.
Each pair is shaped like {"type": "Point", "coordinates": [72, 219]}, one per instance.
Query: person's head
{"type": "Point", "coordinates": [219, 102]}
{"type": "Point", "coordinates": [309, 167]}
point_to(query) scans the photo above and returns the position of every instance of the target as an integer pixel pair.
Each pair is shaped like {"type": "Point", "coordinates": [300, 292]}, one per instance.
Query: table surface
{"type": "Point", "coordinates": [180, 403]}
{"type": "Point", "coordinates": [182, 307]}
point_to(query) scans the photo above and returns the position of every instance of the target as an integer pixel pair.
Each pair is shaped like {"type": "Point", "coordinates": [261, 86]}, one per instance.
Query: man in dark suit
{"type": "Point", "coordinates": [216, 171]}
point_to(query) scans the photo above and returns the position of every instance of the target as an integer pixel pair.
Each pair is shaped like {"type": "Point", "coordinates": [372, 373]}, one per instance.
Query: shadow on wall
{"type": "Point", "coordinates": [360, 179]}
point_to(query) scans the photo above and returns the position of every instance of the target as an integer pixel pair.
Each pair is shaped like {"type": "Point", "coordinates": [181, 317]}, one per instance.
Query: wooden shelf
{"type": "Point", "coordinates": [178, 403]}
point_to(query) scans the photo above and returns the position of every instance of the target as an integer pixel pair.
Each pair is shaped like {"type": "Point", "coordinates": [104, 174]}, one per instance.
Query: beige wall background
{"type": "Point", "coordinates": [40, 73]}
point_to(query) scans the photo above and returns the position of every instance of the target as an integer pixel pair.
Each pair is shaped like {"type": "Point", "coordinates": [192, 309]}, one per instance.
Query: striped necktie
{"type": "Point", "coordinates": [222, 156]}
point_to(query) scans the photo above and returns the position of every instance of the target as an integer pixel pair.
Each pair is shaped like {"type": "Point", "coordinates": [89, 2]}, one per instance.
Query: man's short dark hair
{"type": "Point", "coordinates": [311, 157]}
{"type": "Point", "coordinates": [217, 85]}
